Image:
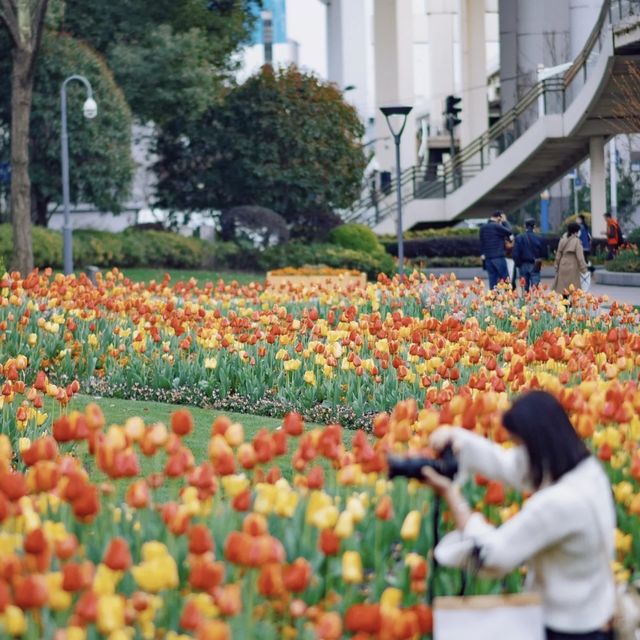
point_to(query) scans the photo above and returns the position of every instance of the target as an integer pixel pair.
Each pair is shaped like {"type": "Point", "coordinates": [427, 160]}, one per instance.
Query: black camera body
{"type": "Point", "coordinates": [446, 464]}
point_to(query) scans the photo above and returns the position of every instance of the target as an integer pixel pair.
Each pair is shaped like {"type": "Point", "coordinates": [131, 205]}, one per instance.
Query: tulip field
{"type": "Point", "coordinates": [126, 531]}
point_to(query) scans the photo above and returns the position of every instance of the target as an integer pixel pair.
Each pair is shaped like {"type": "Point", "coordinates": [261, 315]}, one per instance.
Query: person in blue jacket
{"type": "Point", "coordinates": [528, 253]}
{"type": "Point", "coordinates": [493, 236]}
{"type": "Point", "coordinates": [585, 237]}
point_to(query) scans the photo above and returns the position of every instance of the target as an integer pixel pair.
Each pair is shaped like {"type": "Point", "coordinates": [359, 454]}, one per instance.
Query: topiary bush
{"type": "Point", "coordinates": [358, 237]}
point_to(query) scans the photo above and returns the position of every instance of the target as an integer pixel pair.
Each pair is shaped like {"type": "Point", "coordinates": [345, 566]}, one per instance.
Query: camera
{"type": "Point", "coordinates": [445, 464]}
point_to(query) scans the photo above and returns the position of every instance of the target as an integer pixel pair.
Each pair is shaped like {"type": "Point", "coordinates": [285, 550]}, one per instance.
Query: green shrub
{"type": "Point", "coordinates": [358, 237]}
{"type": "Point", "coordinates": [634, 236]}
{"type": "Point", "coordinates": [47, 246]}
{"type": "Point", "coordinates": [446, 232]}
{"type": "Point", "coordinates": [230, 256]}
{"type": "Point", "coordinates": [98, 248]}
{"type": "Point", "coordinates": [626, 261]}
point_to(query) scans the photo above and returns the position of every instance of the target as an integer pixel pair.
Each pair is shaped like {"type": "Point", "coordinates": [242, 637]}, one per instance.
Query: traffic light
{"type": "Point", "coordinates": [451, 112]}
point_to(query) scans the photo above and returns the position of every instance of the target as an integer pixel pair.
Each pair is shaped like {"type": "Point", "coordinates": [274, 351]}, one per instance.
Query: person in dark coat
{"type": "Point", "coordinates": [585, 237]}
{"type": "Point", "coordinates": [528, 253]}
{"type": "Point", "coordinates": [492, 244]}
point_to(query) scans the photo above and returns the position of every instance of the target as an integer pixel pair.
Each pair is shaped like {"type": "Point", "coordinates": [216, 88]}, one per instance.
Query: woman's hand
{"type": "Point", "coordinates": [439, 483]}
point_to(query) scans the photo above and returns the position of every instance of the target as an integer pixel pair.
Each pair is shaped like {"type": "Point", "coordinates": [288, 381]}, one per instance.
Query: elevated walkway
{"type": "Point", "coordinates": [545, 135]}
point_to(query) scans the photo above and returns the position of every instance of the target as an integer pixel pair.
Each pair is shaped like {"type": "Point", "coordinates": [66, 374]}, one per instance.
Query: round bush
{"type": "Point", "coordinates": [357, 237]}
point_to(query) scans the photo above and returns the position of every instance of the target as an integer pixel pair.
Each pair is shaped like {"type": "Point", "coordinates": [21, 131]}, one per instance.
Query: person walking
{"type": "Point", "coordinates": [564, 532]}
{"type": "Point", "coordinates": [614, 236]}
{"type": "Point", "coordinates": [528, 253]}
{"type": "Point", "coordinates": [493, 236]}
{"type": "Point", "coordinates": [585, 237]}
{"type": "Point", "coordinates": [570, 262]}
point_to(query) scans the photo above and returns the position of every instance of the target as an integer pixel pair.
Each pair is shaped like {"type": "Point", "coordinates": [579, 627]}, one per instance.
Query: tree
{"type": "Point", "coordinates": [100, 149]}
{"type": "Point", "coordinates": [170, 58]}
{"type": "Point", "coordinates": [24, 21]}
{"type": "Point", "coordinates": [284, 140]}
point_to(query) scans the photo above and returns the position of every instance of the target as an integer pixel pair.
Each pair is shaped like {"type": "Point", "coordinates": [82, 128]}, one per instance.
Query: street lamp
{"type": "Point", "coordinates": [90, 111]}
{"type": "Point", "coordinates": [396, 121]}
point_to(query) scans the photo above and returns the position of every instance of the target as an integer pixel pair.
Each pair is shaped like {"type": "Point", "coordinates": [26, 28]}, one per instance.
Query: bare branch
{"type": "Point", "coordinates": [9, 17]}
{"type": "Point", "coordinates": [626, 109]}
{"type": "Point", "coordinates": [36, 31]}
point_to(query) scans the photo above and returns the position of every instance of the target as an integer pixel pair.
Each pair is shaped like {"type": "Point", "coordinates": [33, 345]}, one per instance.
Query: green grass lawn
{"type": "Point", "coordinates": [117, 411]}
{"type": "Point", "coordinates": [147, 274]}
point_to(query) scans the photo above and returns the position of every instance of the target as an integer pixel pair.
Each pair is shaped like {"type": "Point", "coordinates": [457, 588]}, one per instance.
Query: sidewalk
{"type": "Point", "coordinates": [622, 295]}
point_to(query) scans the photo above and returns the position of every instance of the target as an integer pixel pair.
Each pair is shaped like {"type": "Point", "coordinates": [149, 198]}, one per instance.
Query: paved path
{"type": "Point", "coordinates": [624, 295]}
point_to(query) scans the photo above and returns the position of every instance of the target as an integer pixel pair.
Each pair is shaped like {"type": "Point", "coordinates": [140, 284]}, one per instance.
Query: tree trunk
{"type": "Point", "coordinates": [21, 96]}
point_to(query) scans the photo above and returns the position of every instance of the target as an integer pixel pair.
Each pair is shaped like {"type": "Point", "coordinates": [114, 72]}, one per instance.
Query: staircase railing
{"type": "Point", "coordinates": [551, 96]}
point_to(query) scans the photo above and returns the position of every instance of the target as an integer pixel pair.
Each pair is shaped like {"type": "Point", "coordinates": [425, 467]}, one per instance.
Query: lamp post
{"type": "Point", "coordinates": [396, 120]}
{"type": "Point", "coordinates": [545, 196]}
{"type": "Point", "coordinates": [90, 111]}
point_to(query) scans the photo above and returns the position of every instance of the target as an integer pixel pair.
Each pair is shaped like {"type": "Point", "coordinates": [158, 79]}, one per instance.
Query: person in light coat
{"type": "Point", "coordinates": [564, 531]}
{"type": "Point", "coordinates": [570, 262]}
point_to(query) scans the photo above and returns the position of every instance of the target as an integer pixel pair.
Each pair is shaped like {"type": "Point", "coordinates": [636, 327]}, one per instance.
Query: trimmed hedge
{"type": "Point", "coordinates": [135, 248]}
{"type": "Point", "coordinates": [626, 261]}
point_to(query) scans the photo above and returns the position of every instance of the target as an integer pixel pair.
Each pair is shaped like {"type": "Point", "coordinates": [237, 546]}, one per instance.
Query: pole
{"type": "Point", "coordinates": [544, 211]}
{"type": "Point", "coordinates": [613, 176]}
{"type": "Point", "coordinates": [67, 236]}
{"type": "Point", "coordinates": [399, 194]}
{"type": "Point", "coordinates": [575, 195]}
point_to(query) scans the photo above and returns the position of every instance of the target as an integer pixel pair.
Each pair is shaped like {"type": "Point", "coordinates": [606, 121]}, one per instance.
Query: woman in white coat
{"type": "Point", "coordinates": [564, 531]}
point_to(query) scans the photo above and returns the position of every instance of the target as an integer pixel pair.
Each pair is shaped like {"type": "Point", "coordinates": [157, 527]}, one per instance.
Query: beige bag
{"type": "Point", "coordinates": [516, 617]}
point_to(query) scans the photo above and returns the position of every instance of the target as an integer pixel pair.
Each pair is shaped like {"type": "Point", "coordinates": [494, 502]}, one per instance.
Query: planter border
{"type": "Point", "coordinates": [617, 279]}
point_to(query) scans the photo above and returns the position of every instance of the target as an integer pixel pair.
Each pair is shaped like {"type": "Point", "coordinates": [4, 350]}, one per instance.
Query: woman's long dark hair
{"type": "Point", "coordinates": [552, 443]}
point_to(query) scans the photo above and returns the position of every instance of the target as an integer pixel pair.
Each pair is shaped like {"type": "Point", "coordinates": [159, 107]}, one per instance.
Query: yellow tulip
{"type": "Point", "coordinates": [15, 623]}
{"type": "Point", "coordinates": [391, 598]}
{"type": "Point", "coordinates": [110, 613]}
{"type": "Point", "coordinates": [352, 567]}
{"type": "Point", "coordinates": [344, 526]}
{"type": "Point", "coordinates": [411, 526]}
{"type": "Point", "coordinates": [76, 633]}
{"type": "Point", "coordinates": [235, 484]}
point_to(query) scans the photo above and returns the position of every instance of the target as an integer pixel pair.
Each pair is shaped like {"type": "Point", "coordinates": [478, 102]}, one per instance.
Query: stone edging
{"type": "Point", "coordinates": [613, 278]}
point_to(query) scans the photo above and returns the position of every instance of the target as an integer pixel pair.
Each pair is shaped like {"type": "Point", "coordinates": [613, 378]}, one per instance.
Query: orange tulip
{"type": "Point", "coordinates": [297, 575]}
{"type": "Point", "coordinates": [118, 556]}
{"type": "Point", "coordinates": [206, 575]}
{"type": "Point", "coordinates": [77, 576]}
{"type": "Point", "coordinates": [363, 617]}
{"type": "Point", "coordinates": [293, 424]}
{"type": "Point", "coordinates": [181, 422]}
{"type": "Point", "coordinates": [30, 592]}
{"type": "Point", "coordinates": [200, 539]}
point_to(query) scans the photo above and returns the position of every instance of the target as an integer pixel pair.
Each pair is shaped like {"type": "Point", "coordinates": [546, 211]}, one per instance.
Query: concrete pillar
{"type": "Point", "coordinates": [598, 187]}
{"type": "Point", "coordinates": [475, 108]}
{"type": "Point", "coordinates": [348, 41]}
{"type": "Point", "coordinates": [582, 15]}
{"type": "Point", "coordinates": [393, 68]}
{"type": "Point", "coordinates": [442, 74]}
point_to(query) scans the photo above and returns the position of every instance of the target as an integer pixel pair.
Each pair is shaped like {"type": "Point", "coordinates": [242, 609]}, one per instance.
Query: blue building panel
{"type": "Point", "coordinates": [278, 10]}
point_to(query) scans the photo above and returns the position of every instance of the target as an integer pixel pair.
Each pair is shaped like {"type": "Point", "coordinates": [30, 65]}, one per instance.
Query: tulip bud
{"type": "Point", "coordinates": [411, 526]}
{"type": "Point", "coordinates": [352, 567]}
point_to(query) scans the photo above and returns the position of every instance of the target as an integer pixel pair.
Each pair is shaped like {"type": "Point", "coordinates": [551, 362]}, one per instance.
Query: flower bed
{"type": "Point", "coordinates": [215, 543]}
{"type": "Point", "coordinates": [218, 544]}
{"type": "Point", "coordinates": [311, 276]}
